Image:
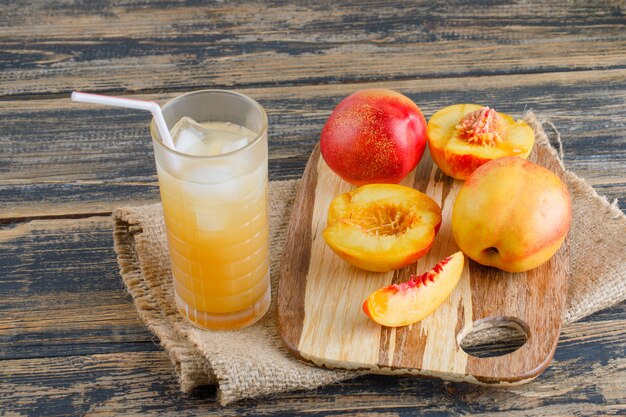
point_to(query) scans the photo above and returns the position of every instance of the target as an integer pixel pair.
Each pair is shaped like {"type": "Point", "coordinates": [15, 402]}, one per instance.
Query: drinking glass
{"type": "Point", "coordinates": [216, 215]}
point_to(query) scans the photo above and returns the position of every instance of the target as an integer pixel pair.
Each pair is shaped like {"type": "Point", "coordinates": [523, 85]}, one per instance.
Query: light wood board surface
{"type": "Point", "coordinates": [320, 296]}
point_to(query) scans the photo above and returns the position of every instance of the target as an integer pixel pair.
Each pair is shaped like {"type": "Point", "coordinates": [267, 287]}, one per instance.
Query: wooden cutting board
{"type": "Point", "coordinates": [320, 296]}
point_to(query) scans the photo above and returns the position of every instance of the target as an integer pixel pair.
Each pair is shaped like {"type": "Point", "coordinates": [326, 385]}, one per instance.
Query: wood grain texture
{"type": "Point", "coordinates": [334, 332]}
{"type": "Point", "coordinates": [65, 351]}
{"type": "Point", "coordinates": [125, 46]}
{"type": "Point", "coordinates": [585, 378]}
{"type": "Point", "coordinates": [61, 291]}
{"type": "Point", "coordinates": [61, 157]}
{"type": "Point", "coordinates": [297, 263]}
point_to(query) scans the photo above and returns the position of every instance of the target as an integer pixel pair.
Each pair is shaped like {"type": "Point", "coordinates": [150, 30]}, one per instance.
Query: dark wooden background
{"type": "Point", "coordinates": [70, 340]}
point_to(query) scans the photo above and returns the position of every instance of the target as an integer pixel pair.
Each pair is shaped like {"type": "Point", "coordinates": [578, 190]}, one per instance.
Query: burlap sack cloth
{"type": "Point", "coordinates": [252, 362]}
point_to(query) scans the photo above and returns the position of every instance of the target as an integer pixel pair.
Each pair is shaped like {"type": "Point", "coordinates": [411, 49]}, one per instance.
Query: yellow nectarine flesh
{"type": "Point", "coordinates": [463, 137]}
{"type": "Point", "coordinates": [382, 227]}
{"type": "Point", "coordinates": [409, 302]}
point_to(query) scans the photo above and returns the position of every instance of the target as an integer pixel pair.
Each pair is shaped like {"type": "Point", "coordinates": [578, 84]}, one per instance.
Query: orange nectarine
{"type": "Point", "coordinates": [511, 214]}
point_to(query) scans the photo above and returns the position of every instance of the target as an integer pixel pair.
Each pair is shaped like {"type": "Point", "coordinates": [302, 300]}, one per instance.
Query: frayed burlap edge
{"type": "Point", "coordinates": [248, 363]}
{"type": "Point", "coordinates": [597, 278]}
{"type": "Point", "coordinates": [190, 367]}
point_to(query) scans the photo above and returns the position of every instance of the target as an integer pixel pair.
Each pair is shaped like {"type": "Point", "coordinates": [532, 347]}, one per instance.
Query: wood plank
{"type": "Point", "coordinates": [62, 293]}
{"type": "Point", "coordinates": [75, 330]}
{"type": "Point", "coordinates": [61, 157]}
{"type": "Point", "coordinates": [73, 256]}
{"type": "Point", "coordinates": [586, 378]}
{"type": "Point", "coordinates": [124, 47]}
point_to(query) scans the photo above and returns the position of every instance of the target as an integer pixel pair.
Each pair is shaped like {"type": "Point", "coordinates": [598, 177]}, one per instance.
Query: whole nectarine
{"type": "Point", "coordinates": [374, 136]}
{"type": "Point", "coordinates": [511, 214]}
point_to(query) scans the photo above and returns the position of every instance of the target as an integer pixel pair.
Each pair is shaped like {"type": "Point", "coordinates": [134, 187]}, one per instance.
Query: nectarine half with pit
{"type": "Point", "coordinates": [374, 136]}
{"type": "Point", "coordinates": [411, 301]}
{"type": "Point", "coordinates": [382, 227]}
{"type": "Point", "coordinates": [511, 214]}
{"type": "Point", "coordinates": [462, 137]}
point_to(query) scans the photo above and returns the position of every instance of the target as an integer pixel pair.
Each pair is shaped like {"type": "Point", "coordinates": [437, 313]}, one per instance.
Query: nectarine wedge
{"type": "Point", "coordinates": [409, 302]}
{"type": "Point", "coordinates": [463, 137]}
{"type": "Point", "coordinates": [381, 227]}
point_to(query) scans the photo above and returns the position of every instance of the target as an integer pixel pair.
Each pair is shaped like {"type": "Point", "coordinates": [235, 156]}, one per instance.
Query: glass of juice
{"type": "Point", "coordinates": [214, 193]}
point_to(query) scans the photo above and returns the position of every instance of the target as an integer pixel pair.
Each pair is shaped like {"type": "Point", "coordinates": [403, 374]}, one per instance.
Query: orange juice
{"type": "Point", "coordinates": [216, 218]}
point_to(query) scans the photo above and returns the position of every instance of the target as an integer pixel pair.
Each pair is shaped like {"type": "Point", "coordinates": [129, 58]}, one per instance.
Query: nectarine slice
{"type": "Point", "coordinates": [409, 302]}
{"type": "Point", "coordinates": [381, 227]}
{"type": "Point", "coordinates": [463, 137]}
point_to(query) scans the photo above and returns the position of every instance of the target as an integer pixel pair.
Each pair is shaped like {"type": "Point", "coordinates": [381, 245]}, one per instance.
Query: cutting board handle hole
{"type": "Point", "coordinates": [493, 336]}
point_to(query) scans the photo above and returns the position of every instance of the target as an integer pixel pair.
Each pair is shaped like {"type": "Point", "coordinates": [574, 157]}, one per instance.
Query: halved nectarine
{"type": "Point", "coordinates": [409, 302]}
{"type": "Point", "coordinates": [462, 137]}
{"type": "Point", "coordinates": [381, 227]}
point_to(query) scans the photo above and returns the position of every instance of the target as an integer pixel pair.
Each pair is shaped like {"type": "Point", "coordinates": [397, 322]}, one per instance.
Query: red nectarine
{"type": "Point", "coordinates": [374, 136]}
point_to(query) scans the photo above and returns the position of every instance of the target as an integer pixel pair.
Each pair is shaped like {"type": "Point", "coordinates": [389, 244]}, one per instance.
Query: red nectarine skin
{"type": "Point", "coordinates": [422, 279]}
{"type": "Point", "coordinates": [409, 302]}
{"type": "Point", "coordinates": [374, 136]}
{"type": "Point", "coordinates": [463, 137]}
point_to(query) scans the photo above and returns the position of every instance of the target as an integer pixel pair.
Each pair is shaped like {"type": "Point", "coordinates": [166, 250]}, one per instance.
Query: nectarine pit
{"type": "Point", "coordinates": [383, 219]}
{"type": "Point", "coordinates": [482, 127]}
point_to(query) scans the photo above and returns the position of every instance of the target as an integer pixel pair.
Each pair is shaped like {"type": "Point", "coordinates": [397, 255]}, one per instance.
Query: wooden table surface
{"type": "Point", "coordinates": [71, 342]}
